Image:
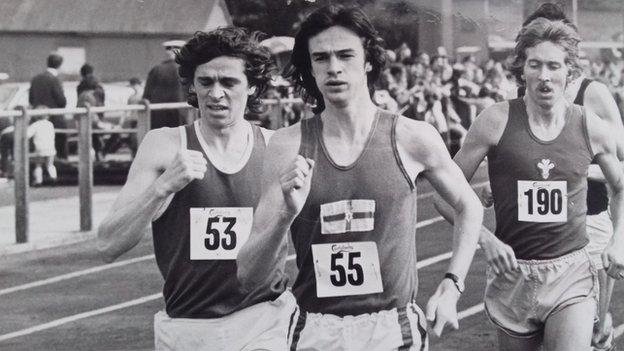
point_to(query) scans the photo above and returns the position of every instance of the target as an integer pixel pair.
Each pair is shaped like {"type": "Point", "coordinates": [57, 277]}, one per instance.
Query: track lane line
{"type": "Point", "coordinates": [73, 318]}
{"type": "Point", "coordinates": [76, 274]}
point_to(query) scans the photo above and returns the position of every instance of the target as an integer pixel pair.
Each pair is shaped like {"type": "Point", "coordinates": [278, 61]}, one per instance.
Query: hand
{"type": "Point", "coordinates": [187, 166]}
{"type": "Point", "coordinates": [486, 197]}
{"type": "Point", "coordinates": [613, 260]}
{"type": "Point", "coordinates": [295, 182]}
{"type": "Point", "coordinates": [499, 255]}
{"type": "Point", "coordinates": [442, 307]}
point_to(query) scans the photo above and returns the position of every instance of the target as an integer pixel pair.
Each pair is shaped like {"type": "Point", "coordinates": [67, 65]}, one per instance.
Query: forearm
{"type": "Point", "coordinates": [124, 227]}
{"type": "Point", "coordinates": [264, 252]}
{"type": "Point", "coordinates": [617, 215]}
{"type": "Point", "coordinates": [466, 232]}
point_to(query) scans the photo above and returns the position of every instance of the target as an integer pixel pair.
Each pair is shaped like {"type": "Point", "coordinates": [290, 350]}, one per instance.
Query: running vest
{"type": "Point", "coordinates": [355, 236]}
{"type": "Point", "coordinates": [540, 187]}
{"type": "Point", "coordinates": [197, 237]}
{"type": "Point", "coordinates": [597, 197]}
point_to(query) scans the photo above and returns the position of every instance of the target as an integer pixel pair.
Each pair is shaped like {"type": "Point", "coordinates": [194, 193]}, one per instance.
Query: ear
{"type": "Point", "coordinates": [368, 67]}
{"type": "Point", "coordinates": [191, 88]}
{"type": "Point", "coordinates": [251, 90]}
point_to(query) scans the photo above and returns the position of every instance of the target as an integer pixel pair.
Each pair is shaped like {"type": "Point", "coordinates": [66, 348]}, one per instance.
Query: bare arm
{"type": "Point", "coordinates": [285, 186]}
{"type": "Point", "coordinates": [420, 146]}
{"type": "Point", "coordinates": [599, 100]}
{"type": "Point", "coordinates": [153, 177]}
{"type": "Point", "coordinates": [604, 145]}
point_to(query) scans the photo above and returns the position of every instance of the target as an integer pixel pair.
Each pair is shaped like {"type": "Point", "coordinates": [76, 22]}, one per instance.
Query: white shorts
{"type": "Point", "coordinates": [263, 326]}
{"type": "Point", "coordinates": [599, 231]}
{"type": "Point", "coordinates": [402, 329]}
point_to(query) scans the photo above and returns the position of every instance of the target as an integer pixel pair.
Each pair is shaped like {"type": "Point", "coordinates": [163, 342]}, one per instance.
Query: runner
{"type": "Point", "coordinates": [541, 282]}
{"type": "Point", "coordinates": [197, 185]}
{"type": "Point", "coordinates": [596, 97]}
{"type": "Point", "coordinates": [343, 182]}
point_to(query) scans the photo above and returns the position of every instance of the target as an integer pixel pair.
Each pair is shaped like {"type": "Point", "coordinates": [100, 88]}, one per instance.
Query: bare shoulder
{"type": "Point", "coordinates": [284, 144]}
{"type": "Point", "coordinates": [490, 123]}
{"type": "Point", "coordinates": [158, 148]}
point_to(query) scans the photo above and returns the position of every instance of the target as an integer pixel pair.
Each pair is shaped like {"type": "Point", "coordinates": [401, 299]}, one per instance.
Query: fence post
{"type": "Point", "coordinates": [21, 175]}
{"type": "Point", "coordinates": [85, 170]}
{"type": "Point", "coordinates": [144, 119]}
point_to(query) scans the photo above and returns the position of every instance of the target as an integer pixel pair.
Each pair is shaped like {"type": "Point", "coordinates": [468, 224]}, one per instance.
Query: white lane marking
{"type": "Point", "coordinates": [291, 257]}
{"type": "Point", "coordinates": [429, 221]}
{"type": "Point", "coordinates": [74, 274]}
{"type": "Point", "coordinates": [470, 311]}
{"type": "Point", "coordinates": [432, 260]}
{"type": "Point", "coordinates": [61, 321]}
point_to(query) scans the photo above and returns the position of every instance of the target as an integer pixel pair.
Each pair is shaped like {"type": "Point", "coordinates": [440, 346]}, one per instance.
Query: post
{"type": "Point", "coordinates": [144, 119]}
{"type": "Point", "coordinates": [85, 170]}
{"type": "Point", "coordinates": [22, 175]}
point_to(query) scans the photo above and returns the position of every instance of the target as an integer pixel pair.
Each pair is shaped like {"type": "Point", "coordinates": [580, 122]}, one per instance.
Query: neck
{"type": "Point", "coordinates": [546, 115]}
{"type": "Point", "coordinates": [349, 122]}
{"type": "Point", "coordinates": [226, 139]}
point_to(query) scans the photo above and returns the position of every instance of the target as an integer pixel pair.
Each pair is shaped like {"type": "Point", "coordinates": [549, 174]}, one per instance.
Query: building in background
{"type": "Point", "coordinates": [122, 38]}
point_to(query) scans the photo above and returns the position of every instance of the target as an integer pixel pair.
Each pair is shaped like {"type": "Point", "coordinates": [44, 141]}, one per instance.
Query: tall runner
{"type": "Point", "coordinates": [343, 182]}
{"type": "Point", "coordinates": [542, 285]}
{"type": "Point", "coordinates": [198, 186]}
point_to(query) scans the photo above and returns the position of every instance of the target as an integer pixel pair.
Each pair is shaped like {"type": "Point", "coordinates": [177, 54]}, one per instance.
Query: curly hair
{"type": "Point", "coordinates": [544, 30]}
{"type": "Point", "coordinates": [352, 18]}
{"type": "Point", "coordinates": [229, 41]}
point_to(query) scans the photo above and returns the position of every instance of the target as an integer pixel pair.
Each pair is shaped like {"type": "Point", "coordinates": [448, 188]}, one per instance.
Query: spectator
{"type": "Point", "coordinates": [46, 89]}
{"type": "Point", "coordinates": [41, 131]}
{"type": "Point", "coordinates": [91, 93]}
{"type": "Point", "coordinates": [162, 85]}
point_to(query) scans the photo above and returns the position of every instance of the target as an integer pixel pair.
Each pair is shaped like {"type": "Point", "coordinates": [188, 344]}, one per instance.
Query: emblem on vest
{"type": "Point", "coordinates": [545, 166]}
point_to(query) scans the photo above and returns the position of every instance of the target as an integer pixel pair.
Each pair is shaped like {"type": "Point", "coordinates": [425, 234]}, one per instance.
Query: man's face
{"type": "Point", "coordinates": [339, 66]}
{"type": "Point", "coordinates": [545, 73]}
{"type": "Point", "coordinates": [222, 90]}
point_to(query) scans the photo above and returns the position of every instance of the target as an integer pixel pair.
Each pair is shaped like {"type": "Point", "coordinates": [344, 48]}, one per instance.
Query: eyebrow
{"type": "Point", "coordinates": [207, 79]}
{"type": "Point", "coordinates": [339, 52]}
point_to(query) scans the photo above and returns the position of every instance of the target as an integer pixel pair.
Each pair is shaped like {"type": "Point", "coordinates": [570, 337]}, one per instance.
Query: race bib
{"type": "Point", "coordinates": [218, 233]}
{"type": "Point", "coordinates": [346, 269]}
{"type": "Point", "coordinates": [542, 201]}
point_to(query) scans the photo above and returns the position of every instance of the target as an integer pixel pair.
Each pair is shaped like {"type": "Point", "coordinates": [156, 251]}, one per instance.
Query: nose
{"type": "Point", "coordinates": [216, 92]}
{"type": "Point", "coordinates": [334, 66]}
{"type": "Point", "coordinates": [544, 74]}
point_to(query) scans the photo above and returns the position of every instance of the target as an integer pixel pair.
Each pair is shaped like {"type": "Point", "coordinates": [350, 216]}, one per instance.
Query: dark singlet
{"type": "Point", "coordinates": [197, 237]}
{"type": "Point", "coordinates": [355, 236]}
{"type": "Point", "coordinates": [539, 187]}
{"type": "Point", "coordinates": [597, 196]}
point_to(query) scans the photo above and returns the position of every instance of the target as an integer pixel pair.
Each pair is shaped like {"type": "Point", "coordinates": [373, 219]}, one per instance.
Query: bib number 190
{"type": "Point", "coordinates": [542, 201]}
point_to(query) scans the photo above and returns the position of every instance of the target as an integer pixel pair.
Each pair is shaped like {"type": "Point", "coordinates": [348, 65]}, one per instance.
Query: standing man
{"type": "Point", "coordinates": [541, 282]}
{"type": "Point", "coordinates": [198, 185]}
{"type": "Point", "coordinates": [163, 85]}
{"type": "Point", "coordinates": [46, 90]}
{"type": "Point", "coordinates": [344, 183]}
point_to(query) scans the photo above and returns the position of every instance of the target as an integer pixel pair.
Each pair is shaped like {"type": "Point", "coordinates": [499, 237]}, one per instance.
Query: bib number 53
{"type": "Point", "coordinates": [217, 233]}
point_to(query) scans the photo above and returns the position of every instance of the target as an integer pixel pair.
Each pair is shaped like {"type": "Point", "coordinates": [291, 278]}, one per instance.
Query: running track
{"type": "Point", "coordinates": [66, 299]}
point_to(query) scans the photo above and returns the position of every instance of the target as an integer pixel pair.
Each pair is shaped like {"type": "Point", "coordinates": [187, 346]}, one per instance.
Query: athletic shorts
{"type": "Point", "coordinates": [520, 302]}
{"type": "Point", "coordinates": [599, 231]}
{"type": "Point", "coordinates": [263, 326]}
{"type": "Point", "coordinates": [395, 329]}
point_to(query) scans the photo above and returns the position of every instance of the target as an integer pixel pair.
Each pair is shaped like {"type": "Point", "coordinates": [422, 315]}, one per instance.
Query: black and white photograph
{"type": "Point", "coordinates": [312, 175]}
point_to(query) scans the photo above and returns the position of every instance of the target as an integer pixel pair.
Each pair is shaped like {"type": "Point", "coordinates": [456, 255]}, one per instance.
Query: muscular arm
{"type": "Point", "coordinates": [603, 143]}
{"type": "Point", "coordinates": [265, 251]}
{"type": "Point", "coordinates": [140, 198]}
{"type": "Point", "coordinates": [599, 100]}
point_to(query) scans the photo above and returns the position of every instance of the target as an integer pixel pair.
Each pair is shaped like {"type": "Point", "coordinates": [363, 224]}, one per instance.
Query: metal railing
{"type": "Point", "coordinates": [85, 160]}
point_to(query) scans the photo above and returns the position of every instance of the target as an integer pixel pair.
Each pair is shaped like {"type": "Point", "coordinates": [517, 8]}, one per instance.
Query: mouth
{"type": "Point", "coordinates": [335, 83]}
{"type": "Point", "coordinates": [544, 89]}
{"type": "Point", "coordinates": [217, 107]}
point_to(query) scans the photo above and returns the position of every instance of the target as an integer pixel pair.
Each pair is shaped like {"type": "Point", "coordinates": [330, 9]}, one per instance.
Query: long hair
{"type": "Point", "coordinates": [230, 41]}
{"type": "Point", "coordinates": [543, 30]}
{"type": "Point", "coordinates": [354, 19]}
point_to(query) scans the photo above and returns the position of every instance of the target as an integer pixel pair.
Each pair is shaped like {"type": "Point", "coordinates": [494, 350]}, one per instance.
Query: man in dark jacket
{"type": "Point", "coordinates": [46, 89]}
{"type": "Point", "coordinates": [162, 85]}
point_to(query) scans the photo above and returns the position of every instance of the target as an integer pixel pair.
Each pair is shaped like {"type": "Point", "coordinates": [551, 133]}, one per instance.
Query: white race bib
{"type": "Point", "coordinates": [218, 233]}
{"type": "Point", "coordinates": [542, 201]}
{"type": "Point", "coordinates": [345, 269]}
